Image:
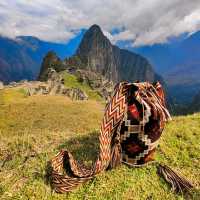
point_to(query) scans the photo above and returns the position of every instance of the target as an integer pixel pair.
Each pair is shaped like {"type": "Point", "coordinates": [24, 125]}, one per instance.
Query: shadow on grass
{"type": "Point", "coordinates": [83, 148]}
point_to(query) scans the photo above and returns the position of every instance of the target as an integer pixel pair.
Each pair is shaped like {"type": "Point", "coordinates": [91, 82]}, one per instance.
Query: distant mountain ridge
{"type": "Point", "coordinates": [21, 58]}
{"type": "Point", "coordinates": [179, 64]}
{"type": "Point", "coordinates": [167, 56]}
{"type": "Point", "coordinates": [14, 61]}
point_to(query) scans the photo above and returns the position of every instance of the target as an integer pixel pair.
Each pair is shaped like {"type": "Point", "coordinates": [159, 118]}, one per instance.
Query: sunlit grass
{"type": "Point", "coordinates": [33, 129]}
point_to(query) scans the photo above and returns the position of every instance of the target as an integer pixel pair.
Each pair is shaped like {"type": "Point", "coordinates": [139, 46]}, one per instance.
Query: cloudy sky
{"type": "Point", "coordinates": [141, 21]}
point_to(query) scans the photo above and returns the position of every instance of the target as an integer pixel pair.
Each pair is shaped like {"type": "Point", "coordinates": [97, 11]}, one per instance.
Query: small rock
{"type": "Point", "coordinates": [13, 84]}
{"type": "Point", "coordinates": [75, 93]}
{"type": "Point", "coordinates": [1, 85]}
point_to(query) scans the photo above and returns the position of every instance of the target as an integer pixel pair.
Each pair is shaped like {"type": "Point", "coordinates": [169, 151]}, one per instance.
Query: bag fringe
{"type": "Point", "coordinates": [179, 183]}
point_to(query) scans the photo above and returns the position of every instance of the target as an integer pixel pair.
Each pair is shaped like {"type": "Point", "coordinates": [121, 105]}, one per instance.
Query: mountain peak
{"type": "Point", "coordinates": [93, 42]}
{"type": "Point", "coordinates": [95, 28]}
{"type": "Point", "coordinates": [94, 32]}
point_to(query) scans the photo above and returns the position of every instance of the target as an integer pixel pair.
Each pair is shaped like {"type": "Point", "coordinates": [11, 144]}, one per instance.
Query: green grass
{"type": "Point", "coordinates": [71, 81]}
{"type": "Point", "coordinates": [11, 94]}
{"type": "Point", "coordinates": [33, 129]}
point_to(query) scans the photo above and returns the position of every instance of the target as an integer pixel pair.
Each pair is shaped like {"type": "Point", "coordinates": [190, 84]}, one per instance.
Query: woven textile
{"type": "Point", "coordinates": [131, 127]}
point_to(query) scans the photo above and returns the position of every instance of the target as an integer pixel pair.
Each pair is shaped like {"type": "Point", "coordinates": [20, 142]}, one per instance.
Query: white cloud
{"type": "Point", "coordinates": [142, 21]}
{"type": "Point", "coordinates": [121, 36]}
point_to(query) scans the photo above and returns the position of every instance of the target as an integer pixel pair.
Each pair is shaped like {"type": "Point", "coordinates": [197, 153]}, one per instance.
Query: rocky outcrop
{"type": "Point", "coordinates": [97, 54]}
{"type": "Point", "coordinates": [1, 85]}
{"type": "Point", "coordinates": [51, 60]}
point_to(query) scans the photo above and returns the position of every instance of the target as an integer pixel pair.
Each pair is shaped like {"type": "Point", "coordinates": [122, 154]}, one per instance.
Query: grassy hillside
{"type": "Point", "coordinates": [33, 129]}
{"type": "Point", "coordinates": [71, 81]}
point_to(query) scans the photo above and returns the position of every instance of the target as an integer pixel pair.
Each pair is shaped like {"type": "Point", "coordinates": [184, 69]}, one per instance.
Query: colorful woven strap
{"type": "Point", "coordinates": [114, 114]}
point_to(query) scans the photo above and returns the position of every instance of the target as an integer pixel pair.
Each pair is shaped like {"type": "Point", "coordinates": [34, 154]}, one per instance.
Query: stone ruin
{"type": "Point", "coordinates": [55, 86]}
{"type": "Point", "coordinates": [97, 82]}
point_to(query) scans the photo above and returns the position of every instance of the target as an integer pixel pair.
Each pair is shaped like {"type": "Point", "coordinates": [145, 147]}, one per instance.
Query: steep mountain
{"type": "Point", "coordinates": [96, 53]}
{"type": "Point", "coordinates": [21, 58]}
